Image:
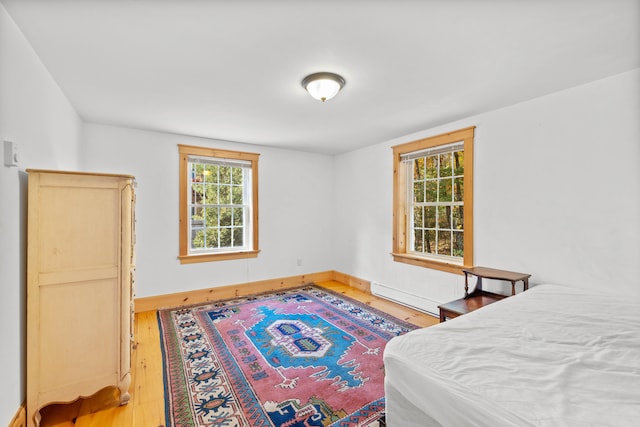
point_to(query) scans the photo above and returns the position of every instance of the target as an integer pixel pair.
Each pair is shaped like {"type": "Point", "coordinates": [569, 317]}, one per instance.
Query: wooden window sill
{"type": "Point", "coordinates": [428, 263]}
{"type": "Point", "coordinates": [222, 256]}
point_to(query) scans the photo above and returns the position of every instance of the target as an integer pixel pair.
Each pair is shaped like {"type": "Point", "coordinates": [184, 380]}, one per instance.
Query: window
{"type": "Point", "coordinates": [433, 201]}
{"type": "Point", "coordinates": [218, 204]}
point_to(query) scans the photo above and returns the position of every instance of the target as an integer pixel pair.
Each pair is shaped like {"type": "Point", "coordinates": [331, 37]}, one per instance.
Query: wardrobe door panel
{"type": "Point", "coordinates": [79, 296]}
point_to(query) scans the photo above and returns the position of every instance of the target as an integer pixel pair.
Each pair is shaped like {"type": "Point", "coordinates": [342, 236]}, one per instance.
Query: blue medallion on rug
{"type": "Point", "coordinates": [303, 341]}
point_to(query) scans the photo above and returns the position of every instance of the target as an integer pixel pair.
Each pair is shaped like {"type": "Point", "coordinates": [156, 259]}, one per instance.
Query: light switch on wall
{"type": "Point", "coordinates": [10, 154]}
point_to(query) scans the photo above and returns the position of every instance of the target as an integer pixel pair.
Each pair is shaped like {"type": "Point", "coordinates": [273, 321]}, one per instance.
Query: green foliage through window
{"type": "Point", "coordinates": [218, 200]}
{"type": "Point", "coordinates": [437, 220]}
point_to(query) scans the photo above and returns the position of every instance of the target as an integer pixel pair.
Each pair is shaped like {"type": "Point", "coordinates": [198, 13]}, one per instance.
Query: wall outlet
{"type": "Point", "coordinates": [10, 154]}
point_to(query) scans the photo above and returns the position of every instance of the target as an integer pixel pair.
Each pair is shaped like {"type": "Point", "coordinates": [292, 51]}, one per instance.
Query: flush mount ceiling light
{"type": "Point", "coordinates": [323, 86]}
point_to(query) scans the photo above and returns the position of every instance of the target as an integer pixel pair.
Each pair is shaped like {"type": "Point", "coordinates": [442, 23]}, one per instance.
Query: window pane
{"type": "Point", "coordinates": [417, 240]}
{"type": "Point", "coordinates": [225, 237]}
{"type": "Point", "coordinates": [197, 238]}
{"type": "Point", "coordinates": [197, 191]}
{"type": "Point", "coordinates": [458, 247]}
{"type": "Point", "coordinates": [430, 241]}
{"type": "Point", "coordinates": [444, 242]}
{"type": "Point", "coordinates": [458, 217]}
{"type": "Point", "coordinates": [236, 175]}
{"type": "Point", "coordinates": [225, 217]}
{"type": "Point", "coordinates": [238, 236]}
{"type": "Point", "coordinates": [211, 194]}
{"type": "Point", "coordinates": [212, 237]}
{"type": "Point", "coordinates": [197, 173]}
{"type": "Point", "coordinates": [225, 195]}
{"type": "Point", "coordinates": [458, 189]}
{"type": "Point", "coordinates": [418, 192]}
{"type": "Point", "coordinates": [211, 173]}
{"type": "Point", "coordinates": [445, 164]}
{"type": "Point", "coordinates": [225, 174]}
{"type": "Point", "coordinates": [238, 216]}
{"type": "Point", "coordinates": [212, 217]}
{"type": "Point", "coordinates": [418, 216]}
{"type": "Point", "coordinates": [236, 195]}
{"type": "Point", "coordinates": [444, 190]}
{"type": "Point", "coordinates": [418, 169]}
{"type": "Point", "coordinates": [431, 189]}
{"type": "Point", "coordinates": [430, 217]}
{"type": "Point", "coordinates": [458, 163]}
{"type": "Point", "coordinates": [444, 217]}
{"type": "Point", "coordinates": [432, 167]}
{"type": "Point", "coordinates": [197, 217]}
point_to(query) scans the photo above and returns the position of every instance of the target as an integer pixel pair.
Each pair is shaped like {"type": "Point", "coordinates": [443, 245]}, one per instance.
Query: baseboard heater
{"type": "Point", "coordinates": [405, 298]}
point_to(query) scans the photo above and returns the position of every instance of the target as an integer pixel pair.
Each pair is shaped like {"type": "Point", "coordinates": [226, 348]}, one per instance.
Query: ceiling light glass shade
{"type": "Point", "coordinates": [323, 86]}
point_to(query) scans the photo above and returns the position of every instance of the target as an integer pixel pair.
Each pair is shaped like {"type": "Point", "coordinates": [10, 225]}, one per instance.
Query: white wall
{"type": "Point", "coordinates": [557, 195]}
{"type": "Point", "coordinates": [295, 208]}
{"type": "Point", "coordinates": [35, 114]}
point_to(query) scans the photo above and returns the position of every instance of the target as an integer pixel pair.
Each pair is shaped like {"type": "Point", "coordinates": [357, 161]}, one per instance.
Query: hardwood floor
{"type": "Point", "coordinates": [146, 407]}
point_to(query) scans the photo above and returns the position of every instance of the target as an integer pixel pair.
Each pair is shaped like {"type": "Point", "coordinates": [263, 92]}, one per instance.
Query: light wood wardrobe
{"type": "Point", "coordinates": [80, 262]}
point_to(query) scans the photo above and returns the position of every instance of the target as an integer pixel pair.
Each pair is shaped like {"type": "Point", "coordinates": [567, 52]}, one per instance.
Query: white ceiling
{"type": "Point", "coordinates": [231, 70]}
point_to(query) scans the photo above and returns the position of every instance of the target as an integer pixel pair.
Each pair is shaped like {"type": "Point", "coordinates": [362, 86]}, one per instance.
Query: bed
{"type": "Point", "coordinates": [550, 356]}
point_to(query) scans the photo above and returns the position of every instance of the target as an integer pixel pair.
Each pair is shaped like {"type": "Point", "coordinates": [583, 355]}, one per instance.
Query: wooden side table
{"type": "Point", "coordinates": [479, 297]}
{"type": "Point", "coordinates": [492, 273]}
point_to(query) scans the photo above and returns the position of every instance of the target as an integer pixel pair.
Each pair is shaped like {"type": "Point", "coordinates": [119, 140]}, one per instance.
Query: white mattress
{"type": "Point", "coordinates": [550, 356]}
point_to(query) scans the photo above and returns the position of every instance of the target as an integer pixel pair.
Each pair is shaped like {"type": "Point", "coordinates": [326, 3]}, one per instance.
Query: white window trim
{"type": "Point", "coordinates": [408, 159]}
{"type": "Point", "coordinates": [246, 204]}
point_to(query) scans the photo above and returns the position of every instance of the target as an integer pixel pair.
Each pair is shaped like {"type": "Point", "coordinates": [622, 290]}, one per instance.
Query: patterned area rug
{"type": "Point", "coordinates": [303, 357]}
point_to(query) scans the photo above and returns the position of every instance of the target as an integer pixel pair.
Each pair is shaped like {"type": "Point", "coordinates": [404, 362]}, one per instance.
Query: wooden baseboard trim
{"type": "Point", "coordinates": [223, 292]}
{"type": "Point", "coordinates": [20, 419]}
{"type": "Point", "coordinates": [354, 282]}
